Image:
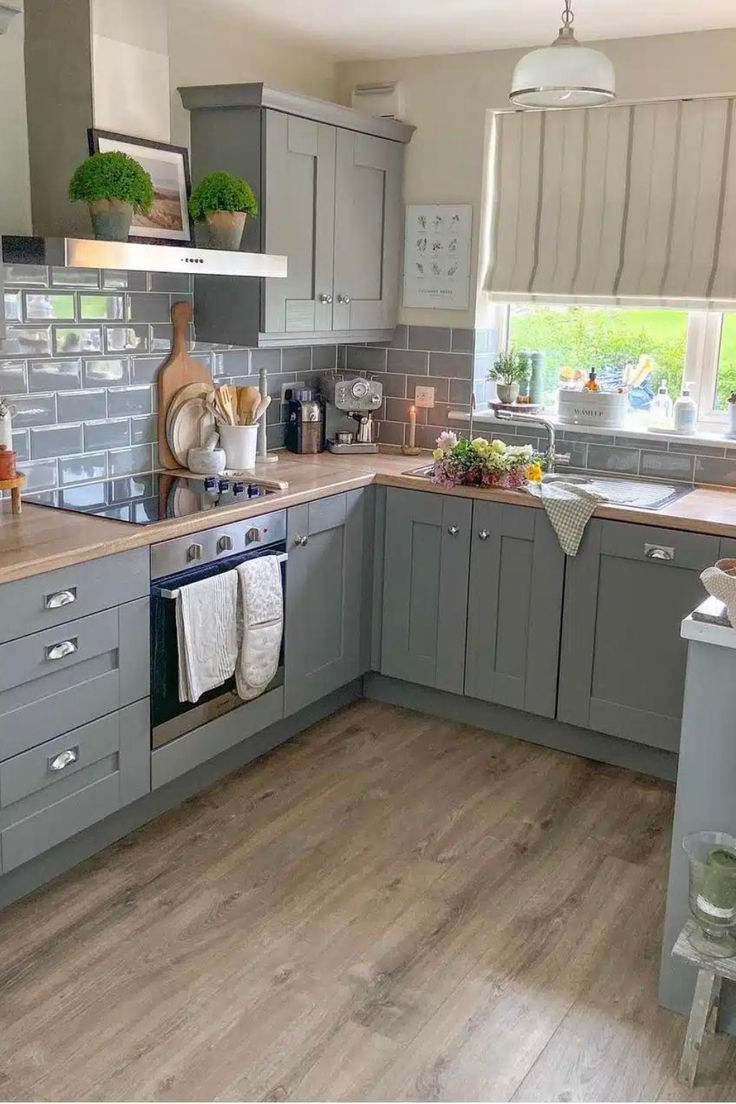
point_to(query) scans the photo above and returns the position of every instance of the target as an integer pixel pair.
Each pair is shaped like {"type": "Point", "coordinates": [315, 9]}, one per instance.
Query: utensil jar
{"type": "Point", "coordinates": [239, 443]}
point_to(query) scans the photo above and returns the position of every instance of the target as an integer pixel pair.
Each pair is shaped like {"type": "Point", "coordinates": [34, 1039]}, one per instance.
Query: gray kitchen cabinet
{"type": "Point", "coordinates": [58, 788]}
{"type": "Point", "coordinates": [328, 180]}
{"type": "Point", "coordinates": [517, 572]}
{"type": "Point", "coordinates": [425, 588]}
{"type": "Point", "coordinates": [328, 576]}
{"type": "Point", "coordinates": [622, 660]}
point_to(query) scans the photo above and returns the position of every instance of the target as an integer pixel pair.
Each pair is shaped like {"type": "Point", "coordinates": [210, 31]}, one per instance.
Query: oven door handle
{"type": "Point", "coordinates": [280, 557]}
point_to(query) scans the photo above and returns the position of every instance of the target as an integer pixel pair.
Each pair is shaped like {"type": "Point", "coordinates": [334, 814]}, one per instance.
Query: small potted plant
{"type": "Point", "coordinates": [114, 186]}
{"type": "Point", "coordinates": [223, 202]}
{"type": "Point", "coordinates": [509, 370]}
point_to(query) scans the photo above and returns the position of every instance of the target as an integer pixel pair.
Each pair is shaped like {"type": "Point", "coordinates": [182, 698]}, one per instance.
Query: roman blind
{"type": "Point", "coordinates": [615, 203]}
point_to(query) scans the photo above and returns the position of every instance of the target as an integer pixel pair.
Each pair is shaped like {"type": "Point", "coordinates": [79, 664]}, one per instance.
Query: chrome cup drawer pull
{"type": "Point", "coordinates": [63, 649]}
{"type": "Point", "coordinates": [63, 759]}
{"type": "Point", "coordinates": [60, 598]}
{"type": "Point", "coordinates": [659, 552]}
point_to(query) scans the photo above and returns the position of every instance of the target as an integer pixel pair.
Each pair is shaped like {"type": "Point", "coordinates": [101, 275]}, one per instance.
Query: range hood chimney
{"type": "Point", "coordinates": [100, 64]}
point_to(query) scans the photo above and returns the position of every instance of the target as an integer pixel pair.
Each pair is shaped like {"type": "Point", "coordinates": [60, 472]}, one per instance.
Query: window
{"type": "Point", "coordinates": [678, 346]}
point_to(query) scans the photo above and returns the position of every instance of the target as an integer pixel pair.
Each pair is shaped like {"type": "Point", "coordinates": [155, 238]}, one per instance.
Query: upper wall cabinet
{"type": "Point", "coordinates": [328, 180]}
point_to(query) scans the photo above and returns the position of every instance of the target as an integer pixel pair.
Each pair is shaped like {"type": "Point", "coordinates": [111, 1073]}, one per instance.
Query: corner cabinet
{"type": "Point", "coordinates": [327, 637]}
{"type": "Point", "coordinates": [472, 598]}
{"type": "Point", "coordinates": [329, 182]}
{"type": "Point", "coordinates": [622, 668]}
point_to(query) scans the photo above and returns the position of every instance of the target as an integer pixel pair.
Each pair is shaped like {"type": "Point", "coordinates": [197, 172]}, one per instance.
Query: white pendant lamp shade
{"type": "Point", "coordinates": [564, 74]}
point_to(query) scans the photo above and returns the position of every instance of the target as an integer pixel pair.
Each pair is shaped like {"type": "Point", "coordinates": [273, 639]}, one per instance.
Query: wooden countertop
{"type": "Point", "coordinates": [42, 539]}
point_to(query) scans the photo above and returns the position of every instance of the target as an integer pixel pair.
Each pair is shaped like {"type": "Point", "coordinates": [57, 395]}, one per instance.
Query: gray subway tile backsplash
{"type": "Point", "coordinates": [48, 441]}
{"type": "Point", "coordinates": [82, 350]}
{"type": "Point", "coordinates": [128, 400]}
{"type": "Point", "coordinates": [81, 406]}
{"type": "Point", "coordinates": [54, 375]}
{"type": "Point", "coordinates": [108, 433]}
{"type": "Point", "coordinates": [13, 379]}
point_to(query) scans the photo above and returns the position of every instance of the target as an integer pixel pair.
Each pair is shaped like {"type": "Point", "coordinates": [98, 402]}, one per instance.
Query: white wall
{"type": "Point", "coordinates": [130, 55]}
{"type": "Point", "coordinates": [447, 99]}
{"type": "Point", "coordinates": [15, 196]}
{"type": "Point", "coordinates": [209, 45]}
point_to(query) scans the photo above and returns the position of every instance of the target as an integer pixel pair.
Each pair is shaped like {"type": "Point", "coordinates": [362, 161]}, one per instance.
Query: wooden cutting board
{"type": "Point", "coordinates": [178, 370]}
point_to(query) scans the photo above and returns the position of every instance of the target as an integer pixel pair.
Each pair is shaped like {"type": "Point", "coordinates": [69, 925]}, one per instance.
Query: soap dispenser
{"type": "Point", "coordinates": [686, 412]}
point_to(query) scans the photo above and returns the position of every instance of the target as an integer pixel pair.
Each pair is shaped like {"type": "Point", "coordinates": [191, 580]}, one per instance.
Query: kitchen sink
{"type": "Point", "coordinates": [637, 493]}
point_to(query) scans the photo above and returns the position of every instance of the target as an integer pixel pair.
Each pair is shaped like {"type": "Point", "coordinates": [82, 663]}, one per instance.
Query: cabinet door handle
{"type": "Point", "coordinates": [325, 298]}
{"type": "Point", "coordinates": [63, 759]}
{"type": "Point", "coordinates": [484, 534]}
{"type": "Point", "coordinates": [64, 648]}
{"type": "Point", "coordinates": [453, 530]}
{"type": "Point", "coordinates": [301, 541]}
{"type": "Point", "coordinates": [659, 552]}
{"type": "Point", "coordinates": [60, 598]}
{"type": "Point", "coordinates": [343, 299]}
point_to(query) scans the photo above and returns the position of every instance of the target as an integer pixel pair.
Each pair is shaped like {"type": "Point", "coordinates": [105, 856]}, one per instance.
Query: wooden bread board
{"type": "Point", "coordinates": [178, 371]}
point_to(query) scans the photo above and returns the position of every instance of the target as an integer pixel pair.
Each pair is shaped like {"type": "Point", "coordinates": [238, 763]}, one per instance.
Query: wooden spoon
{"type": "Point", "coordinates": [248, 400]}
{"type": "Point", "coordinates": [227, 401]}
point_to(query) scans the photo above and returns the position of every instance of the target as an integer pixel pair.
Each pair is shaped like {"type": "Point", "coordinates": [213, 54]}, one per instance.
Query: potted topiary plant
{"type": "Point", "coordinates": [223, 202]}
{"type": "Point", "coordinates": [509, 370]}
{"type": "Point", "coordinates": [114, 186]}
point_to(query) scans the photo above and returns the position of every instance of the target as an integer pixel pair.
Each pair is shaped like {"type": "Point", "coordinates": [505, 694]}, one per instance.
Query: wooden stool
{"type": "Point", "coordinates": [14, 486]}
{"type": "Point", "coordinates": [706, 999]}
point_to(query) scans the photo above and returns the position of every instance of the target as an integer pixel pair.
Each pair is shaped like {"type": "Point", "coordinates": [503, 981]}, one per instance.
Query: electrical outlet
{"type": "Point", "coordinates": [424, 396]}
{"type": "Point", "coordinates": [298, 385]}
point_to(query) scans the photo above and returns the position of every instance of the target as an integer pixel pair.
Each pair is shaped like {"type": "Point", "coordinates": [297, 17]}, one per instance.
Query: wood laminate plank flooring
{"type": "Point", "coordinates": [388, 907]}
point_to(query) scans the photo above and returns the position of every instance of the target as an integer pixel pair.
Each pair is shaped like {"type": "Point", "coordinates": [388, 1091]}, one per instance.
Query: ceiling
{"type": "Point", "coordinates": [398, 28]}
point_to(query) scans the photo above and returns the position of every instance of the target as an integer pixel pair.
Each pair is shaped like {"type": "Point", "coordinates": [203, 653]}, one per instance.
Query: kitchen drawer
{"type": "Point", "coordinates": [665, 546]}
{"type": "Point", "coordinates": [42, 601]}
{"type": "Point", "coordinates": [57, 789]}
{"type": "Point", "coordinates": [58, 679]}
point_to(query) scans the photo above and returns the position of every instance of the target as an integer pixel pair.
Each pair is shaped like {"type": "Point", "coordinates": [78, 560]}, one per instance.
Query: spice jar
{"type": "Point", "coordinates": [7, 463]}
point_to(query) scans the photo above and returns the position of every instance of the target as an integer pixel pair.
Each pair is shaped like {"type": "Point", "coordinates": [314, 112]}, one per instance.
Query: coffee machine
{"type": "Point", "coordinates": [358, 399]}
{"type": "Point", "coordinates": [305, 426]}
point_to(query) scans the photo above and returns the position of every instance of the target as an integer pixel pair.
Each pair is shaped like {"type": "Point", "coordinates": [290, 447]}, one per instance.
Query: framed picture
{"type": "Point", "coordinates": [167, 223]}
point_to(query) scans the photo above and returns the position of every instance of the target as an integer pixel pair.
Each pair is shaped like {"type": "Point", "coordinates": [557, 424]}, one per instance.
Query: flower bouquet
{"type": "Point", "coordinates": [482, 463]}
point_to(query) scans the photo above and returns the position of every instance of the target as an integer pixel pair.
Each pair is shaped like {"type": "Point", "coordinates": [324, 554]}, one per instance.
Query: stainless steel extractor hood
{"type": "Point", "coordinates": [92, 253]}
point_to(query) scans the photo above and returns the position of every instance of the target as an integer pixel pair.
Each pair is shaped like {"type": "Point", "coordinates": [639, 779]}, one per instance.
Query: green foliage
{"type": "Point", "coordinates": [510, 367]}
{"type": "Point", "coordinates": [221, 191]}
{"type": "Point", "coordinates": [112, 175]}
{"type": "Point", "coordinates": [604, 339]}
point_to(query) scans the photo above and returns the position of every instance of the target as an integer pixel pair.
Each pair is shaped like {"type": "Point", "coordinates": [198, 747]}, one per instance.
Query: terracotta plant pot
{"type": "Point", "coordinates": [507, 392]}
{"type": "Point", "coordinates": [225, 228]}
{"type": "Point", "coordinates": [111, 219]}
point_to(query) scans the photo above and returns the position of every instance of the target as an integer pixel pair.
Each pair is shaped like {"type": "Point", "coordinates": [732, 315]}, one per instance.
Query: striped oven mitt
{"type": "Point", "coordinates": [569, 507]}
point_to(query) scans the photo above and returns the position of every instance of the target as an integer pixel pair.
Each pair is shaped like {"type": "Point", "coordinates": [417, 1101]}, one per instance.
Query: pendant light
{"type": "Point", "coordinates": [564, 74]}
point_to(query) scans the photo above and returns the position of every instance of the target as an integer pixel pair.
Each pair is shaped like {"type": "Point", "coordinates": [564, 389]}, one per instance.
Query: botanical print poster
{"type": "Point", "coordinates": [437, 256]}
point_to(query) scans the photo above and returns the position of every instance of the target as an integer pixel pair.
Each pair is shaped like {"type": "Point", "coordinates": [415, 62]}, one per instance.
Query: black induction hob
{"type": "Point", "coordinates": [156, 496]}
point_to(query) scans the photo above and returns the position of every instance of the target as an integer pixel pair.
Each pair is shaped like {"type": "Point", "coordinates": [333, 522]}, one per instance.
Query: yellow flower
{"type": "Point", "coordinates": [498, 446]}
{"type": "Point", "coordinates": [534, 473]}
{"type": "Point", "coordinates": [437, 454]}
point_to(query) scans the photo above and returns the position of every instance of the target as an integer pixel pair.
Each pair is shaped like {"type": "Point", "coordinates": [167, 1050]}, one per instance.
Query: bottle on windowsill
{"type": "Point", "coordinates": [660, 411]}
{"type": "Point", "coordinates": [592, 384]}
{"type": "Point", "coordinates": [685, 411]}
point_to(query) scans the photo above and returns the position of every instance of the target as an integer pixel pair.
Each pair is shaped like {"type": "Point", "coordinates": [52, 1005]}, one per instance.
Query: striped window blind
{"type": "Point", "coordinates": [615, 203]}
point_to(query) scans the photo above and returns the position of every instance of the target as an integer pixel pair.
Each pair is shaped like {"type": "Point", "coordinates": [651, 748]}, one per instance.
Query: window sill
{"type": "Point", "coordinates": [604, 435]}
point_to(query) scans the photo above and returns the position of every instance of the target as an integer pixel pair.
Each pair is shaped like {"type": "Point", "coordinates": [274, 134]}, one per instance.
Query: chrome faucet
{"type": "Point", "coordinates": [537, 419]}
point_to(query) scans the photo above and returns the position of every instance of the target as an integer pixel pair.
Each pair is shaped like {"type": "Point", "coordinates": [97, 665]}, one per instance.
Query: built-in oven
{"type": "Point", "coordinates": [175, 564]}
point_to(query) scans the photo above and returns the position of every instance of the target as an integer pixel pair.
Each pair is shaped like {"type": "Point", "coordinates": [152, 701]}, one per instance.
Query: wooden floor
{"type": "Point", "coordinates": [390, 907]}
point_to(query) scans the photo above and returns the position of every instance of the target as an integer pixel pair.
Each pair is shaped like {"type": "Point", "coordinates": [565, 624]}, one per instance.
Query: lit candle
{"type": "Point", "coordinates": [412, 426]}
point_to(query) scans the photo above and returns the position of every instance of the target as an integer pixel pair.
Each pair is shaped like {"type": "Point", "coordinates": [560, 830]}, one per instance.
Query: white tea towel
{"type": "Point", "coordinates": [207, 634]}
{"type": "Point", "coordinates": [261, 616]}
{"type": "Point", "coordinates": [569, 507]}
